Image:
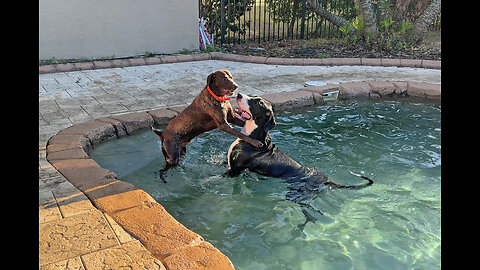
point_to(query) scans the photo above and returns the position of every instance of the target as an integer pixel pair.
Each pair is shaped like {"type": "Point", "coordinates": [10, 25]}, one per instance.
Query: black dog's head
{"type": "Point", "coordinates": [258, 115]}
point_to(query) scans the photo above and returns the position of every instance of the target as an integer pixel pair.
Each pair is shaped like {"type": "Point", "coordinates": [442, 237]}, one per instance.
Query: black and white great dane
{"type": "Point", "coordinates": [269, 160]}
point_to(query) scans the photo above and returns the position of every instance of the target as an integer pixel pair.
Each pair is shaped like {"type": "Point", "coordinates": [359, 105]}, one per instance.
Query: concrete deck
{"type": "Point", "coordinates": [73, 233]}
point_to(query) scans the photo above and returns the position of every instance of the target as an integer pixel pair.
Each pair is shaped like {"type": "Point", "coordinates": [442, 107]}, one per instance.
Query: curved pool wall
{"type": "Point", "coordinates": [144, 218]}
{"type": "Point", "coordinates": [393, 224]}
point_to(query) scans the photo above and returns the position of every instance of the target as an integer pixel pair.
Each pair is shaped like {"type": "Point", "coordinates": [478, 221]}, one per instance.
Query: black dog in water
{"type": "Point", "coordinates": [269, 161]}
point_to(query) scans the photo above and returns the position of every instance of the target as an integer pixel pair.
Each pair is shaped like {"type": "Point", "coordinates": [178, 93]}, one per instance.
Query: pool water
{"type": "Point", "coordinates": [393, 224]}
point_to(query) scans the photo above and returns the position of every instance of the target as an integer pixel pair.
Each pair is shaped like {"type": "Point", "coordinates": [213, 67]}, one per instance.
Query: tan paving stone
{"type": "Point", "coordinates": [257, 59]}
{"type": "Point", "coordinates": [400, 87]}
{"type": "Point", "coordinates": [178, 109]}
{"type": "Point", "coordinates": [47, 207]}
{"type": "Point", "coordinates": [70, 264]}
{"type": "Point", "coordinates": [121, 63]}
{"type": "Point", "coordinates": [82, 173]}
{"type": "Point", "coordinates": [52, 148]}
{"type": "Point", "coordinates": [289, 100]}
{"type": "Point", "coordinates": [103, 64]}
{"type": "Point", "coordinates": [96, 131]}
{"type": "Point", "coordinates": [66, 67]}
{"type": "Point", "coordinates": [410, 62]}
{"type": "Point", "coordinates": [76, 152]}
{"type": "Point", "coordinates": [382, 88]}
{"type": "Point", "coordinates": [274, 61]}
{"type": "Point", "coordinates": [184, 58]}
{"type": "Point", "coordinates": [74, 236]}
{"type": "Point", "coordinates": [131, 255]}
{"type": "Point", "coordinates": [312, 62]}
{"type": "Point", "coordinates": [431, 64]}
{"type": "Point", "coordinates": [169, 59]}
{"type": "Point", "coordinates": [371, 61]}
{"type": "Point", "coordinates": [153, 60]}
{"type": "Point", "coordinates": [134, 121]}
{"type": "Point", "coordinates": [156, 228]}
{"type": "Point", "coordinates": [202, 56]}
{"type": "Point", "coordinates": [71, 139]}
{"type": "Point", "coordinates": [201, 257]}
{"type": "Point", "coordinates": [350, 61]}
{"type": "Point", "coordinates": [122, 236]}
{"type": "Point", "coordinates": [118, 196]}
{"type": "Point", "coordinates": [119, 128]}
{"type": "Point", "coordinates": [332, 61]}
{"type": "Point", "coordinates": [70, 200]}
{"type": "Point", "coordinates": [354, 90]}
{"type": "Point", "coordinates": [47, 69]}
{"type": "Point", "coordinates": [421, 89]}
{"type": "Point", "coordinates": [162, 116]}
{"type": "Point", "coordinates": [320, 89]}
{"type": "Point", "coordinates": [226, 56]}
{"type": "Point", "coordinates": [137, 61]}
{"type": "Point", "coordinates": [293, 61]}
{"type": "Point", "coordinates": [84, 65]}
{"type": "Point", "coordinates": [390, 62]}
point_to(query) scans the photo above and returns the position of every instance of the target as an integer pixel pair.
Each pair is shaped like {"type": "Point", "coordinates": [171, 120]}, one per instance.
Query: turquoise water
{"type": "Point", "coordinates": [393, 224]}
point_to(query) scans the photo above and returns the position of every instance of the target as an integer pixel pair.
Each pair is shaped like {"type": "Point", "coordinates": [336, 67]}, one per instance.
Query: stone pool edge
{"type": "Point", "coordinates": [137, 212]}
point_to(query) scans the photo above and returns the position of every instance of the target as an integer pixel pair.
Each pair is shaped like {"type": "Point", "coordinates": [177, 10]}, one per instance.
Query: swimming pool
{"type": "Point", "coordinates": [393, 224]}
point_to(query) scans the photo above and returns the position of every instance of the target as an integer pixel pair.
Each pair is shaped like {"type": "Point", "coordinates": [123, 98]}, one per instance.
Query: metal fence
{"type": "Point", "coordinates": [240, 21]}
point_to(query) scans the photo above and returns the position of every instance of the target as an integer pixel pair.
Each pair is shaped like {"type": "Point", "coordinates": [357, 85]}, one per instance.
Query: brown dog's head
{"type": "Point", "coordinates": [221, 83]}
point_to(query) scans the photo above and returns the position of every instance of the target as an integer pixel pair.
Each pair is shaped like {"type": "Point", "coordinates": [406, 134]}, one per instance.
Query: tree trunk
{"type": "Point", "coordinates": [400, 9]}
{"type": "Point", "coordinates": [421, 5]}
{"type": "Point", "coordinates": [365, 8]}
{"type": "Point", "coordinates": [426, 19]}
{"type": "Point", "coordinates": [323, 13]}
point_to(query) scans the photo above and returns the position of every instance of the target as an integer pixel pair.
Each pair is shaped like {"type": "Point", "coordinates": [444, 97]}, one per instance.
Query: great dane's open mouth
{"type": "Point", "coordinates": [243, 110]}
{"type": "Point", "coordinates": [240, 113]}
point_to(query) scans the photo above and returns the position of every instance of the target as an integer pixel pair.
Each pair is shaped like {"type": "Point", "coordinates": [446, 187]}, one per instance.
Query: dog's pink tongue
{"type": "Point", "coordinates": [243, 114]}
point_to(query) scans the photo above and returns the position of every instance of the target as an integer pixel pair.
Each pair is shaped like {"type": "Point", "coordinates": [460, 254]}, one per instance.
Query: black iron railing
{"type": "Point", "coordinates": [239, 21]}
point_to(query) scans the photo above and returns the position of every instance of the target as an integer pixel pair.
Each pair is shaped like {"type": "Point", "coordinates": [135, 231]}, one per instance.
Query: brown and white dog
{"type": "Point", "coordinates": [209, 110]}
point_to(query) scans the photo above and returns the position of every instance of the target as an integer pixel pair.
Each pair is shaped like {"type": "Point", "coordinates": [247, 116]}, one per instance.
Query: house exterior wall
{"type": "Point", "coordinates": [121, 28]}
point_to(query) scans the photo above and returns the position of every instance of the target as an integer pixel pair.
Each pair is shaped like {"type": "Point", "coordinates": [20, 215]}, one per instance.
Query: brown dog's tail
{"type": "Point", "coordinates": [157, 131]}
{"type": "Point", "coordinates": [334, 185]}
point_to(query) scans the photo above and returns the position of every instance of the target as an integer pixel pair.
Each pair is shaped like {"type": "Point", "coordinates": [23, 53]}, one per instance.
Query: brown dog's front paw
{"type": "Point", "coordinates": [257, 144]}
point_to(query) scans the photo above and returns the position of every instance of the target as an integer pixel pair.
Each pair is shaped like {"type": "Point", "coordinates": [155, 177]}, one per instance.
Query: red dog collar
{"type": "Point", "coordinates": [222, 98]}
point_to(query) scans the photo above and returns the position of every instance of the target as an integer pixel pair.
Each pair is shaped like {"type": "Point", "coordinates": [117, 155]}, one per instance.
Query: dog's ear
{"type": "Point", "coordinates": [210, 78]}
{"type": "Point", "coordinates": [271, 121]}
{"type": "Point", "coordinates": [226, 72]}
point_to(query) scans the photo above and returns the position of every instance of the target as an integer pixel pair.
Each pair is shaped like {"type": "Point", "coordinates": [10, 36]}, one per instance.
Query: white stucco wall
{"type": "Point", "coordinates": [102, 28]}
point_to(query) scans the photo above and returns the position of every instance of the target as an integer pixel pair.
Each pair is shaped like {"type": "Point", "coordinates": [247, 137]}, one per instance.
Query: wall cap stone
{"type": "Point", "coordinates": [176, 58]}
